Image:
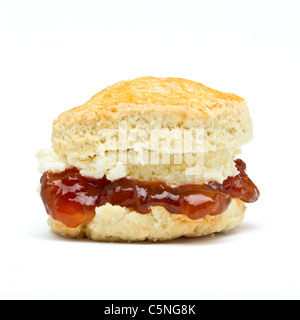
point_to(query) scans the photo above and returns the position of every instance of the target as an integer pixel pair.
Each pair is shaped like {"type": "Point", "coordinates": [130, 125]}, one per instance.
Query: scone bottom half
{"type": "Point", "coordinates": [149, 159]}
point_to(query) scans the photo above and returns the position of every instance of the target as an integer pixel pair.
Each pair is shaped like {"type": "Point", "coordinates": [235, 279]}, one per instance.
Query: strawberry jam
{"type": "Point", "coordinates": [71, 198]}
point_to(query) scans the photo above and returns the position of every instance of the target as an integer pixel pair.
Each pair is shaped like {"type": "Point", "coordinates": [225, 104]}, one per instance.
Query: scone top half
{"type": "Point", "coordinates": [152, 130]}
{"type": "Point", "coordinates": [153, 103]}
{"type": "Point", "coordinates": [82, 136]}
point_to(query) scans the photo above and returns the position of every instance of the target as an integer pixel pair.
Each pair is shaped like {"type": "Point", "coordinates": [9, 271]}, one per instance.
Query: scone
{"type": "Point", "coordinates": [149, 159]}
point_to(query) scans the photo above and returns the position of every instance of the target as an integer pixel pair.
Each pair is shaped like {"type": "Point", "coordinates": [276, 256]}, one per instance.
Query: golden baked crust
{"type": "Point", "coordinates": [161, 92]}
{"type": "Point", "coordinates": [153, 103]}
{"type": "Point", "coordinates": [115, 223]}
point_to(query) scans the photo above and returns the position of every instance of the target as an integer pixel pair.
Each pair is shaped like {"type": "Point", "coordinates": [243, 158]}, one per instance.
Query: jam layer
{"type": "Point", "coordinates": [71, 198]}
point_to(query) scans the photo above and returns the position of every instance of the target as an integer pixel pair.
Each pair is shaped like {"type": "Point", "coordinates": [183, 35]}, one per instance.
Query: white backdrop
{"type": "Point", "coordinates": [55, 55]}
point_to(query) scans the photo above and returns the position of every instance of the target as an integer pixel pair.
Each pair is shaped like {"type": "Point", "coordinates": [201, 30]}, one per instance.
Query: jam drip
{"type": "Point", "coordinates": [71, 198]}
{"type": "Point", "coordinates": [241, 186]}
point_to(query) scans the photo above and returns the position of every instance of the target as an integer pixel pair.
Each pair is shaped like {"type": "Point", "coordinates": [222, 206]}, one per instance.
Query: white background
{"type": "Point", "coordinates": [56, 54]}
